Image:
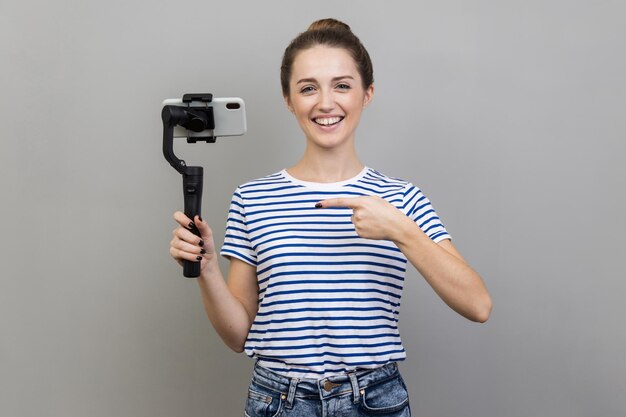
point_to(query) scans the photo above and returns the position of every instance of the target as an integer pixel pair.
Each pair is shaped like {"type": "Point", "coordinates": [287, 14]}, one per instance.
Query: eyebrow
{"type": "Point", "coordinates": [313, 80]}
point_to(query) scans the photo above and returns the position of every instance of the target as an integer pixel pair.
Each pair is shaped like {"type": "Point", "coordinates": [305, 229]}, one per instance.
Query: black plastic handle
{"type": "Point", "coordinates": [192, 191]}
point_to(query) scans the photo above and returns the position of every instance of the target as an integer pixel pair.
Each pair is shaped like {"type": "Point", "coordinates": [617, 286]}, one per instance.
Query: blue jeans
{"type": "Point", "coordinates": [368, 392]}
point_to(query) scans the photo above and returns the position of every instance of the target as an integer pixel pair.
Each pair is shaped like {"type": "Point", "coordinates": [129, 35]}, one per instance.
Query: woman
{"type": "Point", "coordinates": [318, 253]}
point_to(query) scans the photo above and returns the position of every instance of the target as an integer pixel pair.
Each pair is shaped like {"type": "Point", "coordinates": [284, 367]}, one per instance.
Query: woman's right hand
{"type": "Point", "coordinates": [185, 245]}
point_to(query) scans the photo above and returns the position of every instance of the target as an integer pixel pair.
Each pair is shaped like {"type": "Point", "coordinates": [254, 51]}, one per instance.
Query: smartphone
{"type": "Point", "coordinates": [229, 114]}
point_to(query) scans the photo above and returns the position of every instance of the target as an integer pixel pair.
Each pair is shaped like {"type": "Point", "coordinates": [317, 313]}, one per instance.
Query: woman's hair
{"type": "Point", "coordinates": [327, 32]}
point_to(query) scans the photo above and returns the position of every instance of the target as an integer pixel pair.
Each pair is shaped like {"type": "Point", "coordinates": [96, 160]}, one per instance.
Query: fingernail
{"type": "Point", "coordinates": [191, 225]}
{"type": "Point", "coordinates": [198, 258]}
{"type": "Point", "coordinates": [202, 251]}
{"type": "Point", "coordinates": [201, 243]}
{"type": "Point", "coordinates": [318, 205]}
{"type": "Point", "coordinates": [199, 218]}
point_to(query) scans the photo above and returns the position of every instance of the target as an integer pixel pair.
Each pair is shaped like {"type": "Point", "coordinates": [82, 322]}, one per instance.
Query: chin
{"type": "Point", "coordinates": [329, 143]}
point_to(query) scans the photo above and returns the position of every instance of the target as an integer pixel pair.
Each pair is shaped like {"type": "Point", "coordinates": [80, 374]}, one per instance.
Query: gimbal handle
{"type": "Point", "coordinates": [192, 192]}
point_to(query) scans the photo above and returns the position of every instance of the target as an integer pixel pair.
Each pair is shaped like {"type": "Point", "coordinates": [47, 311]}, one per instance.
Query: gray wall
{"type": "Point", "coordinates": [508, 114]}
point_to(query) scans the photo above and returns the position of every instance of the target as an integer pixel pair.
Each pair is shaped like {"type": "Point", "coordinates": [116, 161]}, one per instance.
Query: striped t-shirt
{"type": "Point", "coordinates": [329, 300]}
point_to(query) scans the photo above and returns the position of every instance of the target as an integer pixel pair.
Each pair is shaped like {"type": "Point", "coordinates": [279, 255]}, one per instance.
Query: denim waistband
{"type": "Point", "coordinates": [341, 384]}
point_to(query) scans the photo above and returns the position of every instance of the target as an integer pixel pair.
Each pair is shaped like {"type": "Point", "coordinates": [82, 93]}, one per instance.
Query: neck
{"type": "Point", "coordinates": [327, 165]}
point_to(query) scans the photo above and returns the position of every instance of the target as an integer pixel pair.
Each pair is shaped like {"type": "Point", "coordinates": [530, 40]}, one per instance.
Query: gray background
{"type": "Point", "coordinates": [508, 114]}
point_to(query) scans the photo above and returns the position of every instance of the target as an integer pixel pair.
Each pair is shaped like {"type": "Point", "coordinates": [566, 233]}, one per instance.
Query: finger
{"type": "Point", "coordinates": [349, 202]}
{"type": "Point", "coordinates": [187, 247]}
{"type": "Point", "coordinates": [187, 236]}
{"type": "Point", "coordinates": [183, 220]}
{"type": "Point", "coordinates": [182, 255]}
{"type": "Point", "coordinates": [203, 228]}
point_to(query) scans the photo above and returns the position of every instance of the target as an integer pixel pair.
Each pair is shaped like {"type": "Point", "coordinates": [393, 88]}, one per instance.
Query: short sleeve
{"type": "Point", "coordinates": [420, 210]}
{"type": "Point", "coordinates": [237, 240]}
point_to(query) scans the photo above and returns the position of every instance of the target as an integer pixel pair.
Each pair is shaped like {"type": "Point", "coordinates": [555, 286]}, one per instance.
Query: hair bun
{"type": "Point", "coordinates": [330, 23]}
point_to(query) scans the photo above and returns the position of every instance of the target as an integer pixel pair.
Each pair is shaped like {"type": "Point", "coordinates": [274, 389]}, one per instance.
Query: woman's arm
{"type": "Point", "coordinates": [230, 306]}
{"type": "Point", "coordinates": [443, 267]}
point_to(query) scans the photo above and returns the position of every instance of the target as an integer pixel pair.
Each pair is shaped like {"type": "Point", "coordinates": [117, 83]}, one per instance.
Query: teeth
{"type": "Point", "coordinates": [327, 121]}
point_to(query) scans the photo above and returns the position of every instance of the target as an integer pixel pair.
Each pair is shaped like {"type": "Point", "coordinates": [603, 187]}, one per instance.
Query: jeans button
{"type": "Point", "coordinates": [330, 385]}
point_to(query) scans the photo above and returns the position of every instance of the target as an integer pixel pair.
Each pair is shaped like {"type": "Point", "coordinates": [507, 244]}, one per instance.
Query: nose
{"type": "Point", "coordinates": [326, 101]}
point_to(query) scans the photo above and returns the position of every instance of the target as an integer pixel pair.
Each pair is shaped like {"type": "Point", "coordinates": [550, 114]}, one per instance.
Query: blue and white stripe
{"type": "Point", "coordinates": [329, 301]}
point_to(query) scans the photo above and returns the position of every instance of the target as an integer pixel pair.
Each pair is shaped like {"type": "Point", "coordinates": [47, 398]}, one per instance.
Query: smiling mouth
{"type": "Point", "coordinates": [327, 121]}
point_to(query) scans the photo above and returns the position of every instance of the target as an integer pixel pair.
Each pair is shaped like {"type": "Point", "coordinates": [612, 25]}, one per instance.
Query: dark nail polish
{"type": "Point", "coordinates": [191, 225]}
{"type": "Point", "coordinates": [201, 243]}
{"type": "Point", "coordinates": [198, 258]}
{"type": "Point", "coordinates": [318, 205]}
{"type": "Point", "coordinates": [202, 251]}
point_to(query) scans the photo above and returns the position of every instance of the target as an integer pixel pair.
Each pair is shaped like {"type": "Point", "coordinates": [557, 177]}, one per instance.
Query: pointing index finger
{"type": "Point", "coordinates": [350, 202]}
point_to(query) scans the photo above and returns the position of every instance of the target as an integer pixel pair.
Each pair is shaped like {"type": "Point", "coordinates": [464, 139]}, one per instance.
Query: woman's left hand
{"type": "Point", "coordinates": [373, 217]}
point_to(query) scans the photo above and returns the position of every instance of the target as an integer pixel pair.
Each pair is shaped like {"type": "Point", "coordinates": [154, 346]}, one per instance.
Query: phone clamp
{"type": "Point", "coordinates": [195, 118]}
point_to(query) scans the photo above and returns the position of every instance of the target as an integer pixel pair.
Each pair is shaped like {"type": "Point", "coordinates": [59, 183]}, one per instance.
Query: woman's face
{"type": "Point", "coordinates": [327, 96]}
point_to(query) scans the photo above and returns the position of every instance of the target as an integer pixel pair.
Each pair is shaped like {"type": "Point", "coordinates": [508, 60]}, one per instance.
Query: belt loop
{"type": "Point", "coordinates": [355, 387]}
{"type": "Point", "coordinates": [292, 392]}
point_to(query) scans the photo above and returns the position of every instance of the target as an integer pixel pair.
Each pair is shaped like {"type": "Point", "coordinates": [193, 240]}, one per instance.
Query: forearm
{"type": "Point", "coordinates": [458, 285]}
{"type": "Point", "coordinates": [227, 313]}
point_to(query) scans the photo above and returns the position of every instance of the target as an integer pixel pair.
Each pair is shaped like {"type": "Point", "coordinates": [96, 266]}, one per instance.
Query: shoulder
{"type": "Point", "coordinates": [385, 182]}
{"type": "Point", "coordinates": [270, 183]}
{"type": "Point", "coordinates": [268, 179]}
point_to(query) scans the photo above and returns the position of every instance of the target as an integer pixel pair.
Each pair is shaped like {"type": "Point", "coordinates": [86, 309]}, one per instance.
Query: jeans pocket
{"type": "Point", "coordinates": [262, 402]}
{"type": "Point", "coordinates": [389, 398]}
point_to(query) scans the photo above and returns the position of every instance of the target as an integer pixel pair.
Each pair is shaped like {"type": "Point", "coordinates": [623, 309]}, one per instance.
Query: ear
{"type": "Point", "coordinates": [288, 103]}
{"type": "Point", "coordinates": [369, 95]}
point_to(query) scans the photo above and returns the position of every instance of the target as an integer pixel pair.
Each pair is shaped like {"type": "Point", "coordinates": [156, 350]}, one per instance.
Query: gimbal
{"type": "Point", "coordinates": [196, 119]}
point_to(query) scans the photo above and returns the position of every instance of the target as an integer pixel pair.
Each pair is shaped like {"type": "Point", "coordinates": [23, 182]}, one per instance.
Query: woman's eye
{"type": "Point", "coordinates": [307, 89]}
{"type": "Point", "coordinates": [343, 86]}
